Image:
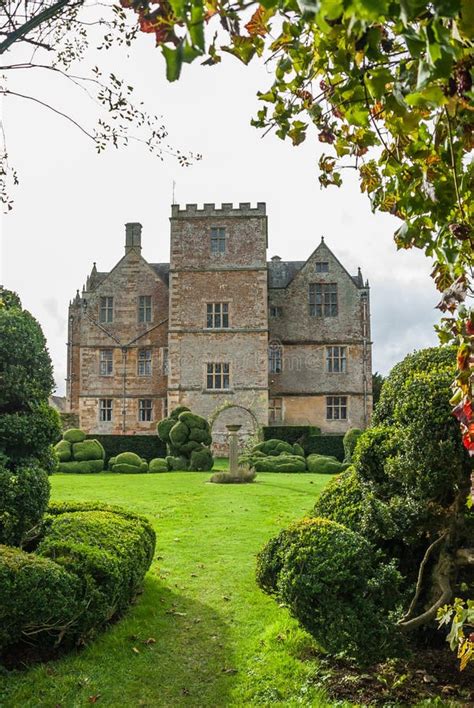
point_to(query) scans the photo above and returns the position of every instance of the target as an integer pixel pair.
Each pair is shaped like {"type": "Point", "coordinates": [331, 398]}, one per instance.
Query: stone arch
{"type": "Point", "coordinates": [219, 432]}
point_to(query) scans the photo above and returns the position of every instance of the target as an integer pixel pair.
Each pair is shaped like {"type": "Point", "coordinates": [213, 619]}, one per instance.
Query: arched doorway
{"type": "Point", "coordinates": [228, 414]}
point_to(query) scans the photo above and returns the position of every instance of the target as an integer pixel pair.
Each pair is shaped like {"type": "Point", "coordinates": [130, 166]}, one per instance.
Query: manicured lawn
{"type": "Point", "coordinates": [202, 634]}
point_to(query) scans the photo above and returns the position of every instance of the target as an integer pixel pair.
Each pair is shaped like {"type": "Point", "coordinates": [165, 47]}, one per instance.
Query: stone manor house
{"type": "Point", "coordinates": [221, 330]}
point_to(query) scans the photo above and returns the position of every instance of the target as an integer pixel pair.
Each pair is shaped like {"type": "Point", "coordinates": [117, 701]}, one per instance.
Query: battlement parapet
{"type": "Point", "coordinates": [226, 209]}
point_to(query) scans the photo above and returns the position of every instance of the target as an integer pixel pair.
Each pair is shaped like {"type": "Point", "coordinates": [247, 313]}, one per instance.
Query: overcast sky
{"type": "Point", "coordinates": [71, 205]}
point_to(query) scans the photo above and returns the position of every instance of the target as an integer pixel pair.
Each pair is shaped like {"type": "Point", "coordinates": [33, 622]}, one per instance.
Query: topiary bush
{"type": "Point", "coordinates": [24, 496]}
{"type": "Point", "coordinates": [88, 567]}
{"type": "Point", "coordinates": [128, 463]}
{"type": "Point", "coordinates": [332, 581]}
{"type": "Point", "coordinates": [406, 496]}
{"type": "Point", "coordinates": [280, 463]}
{"type": "Point", "coordinates": [187, 437]}
{"type": "Point", "coordinates": [323, 464]}
{"type": "Point", "coordinates": [158, 464]}
{"type": "Point", "coordinates": [78, 455]}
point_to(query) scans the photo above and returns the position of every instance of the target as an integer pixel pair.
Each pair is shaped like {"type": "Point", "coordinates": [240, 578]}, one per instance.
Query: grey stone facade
{"type": "Point", "coordinates": [234, 337]}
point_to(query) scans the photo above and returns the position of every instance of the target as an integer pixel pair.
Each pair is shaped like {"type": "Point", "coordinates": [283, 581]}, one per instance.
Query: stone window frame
{"type": "Point", "coordinates": [106, 309]}
{"type": "Point", "coordinates": [144, 362]}
{"type": "Point", "coordinates": [323, 299]}
{"type": "Point", "coordinates": [145, 410]}
{"type": "Point", "coordinates": [165, 407]}
{"type": "Point", "coordinates": [275, 410]}
{"type": "Point", "coordinates": [322, 266]}
{"type": "Point", "coordinates": [165, 361]}
{"type": "Point", "coordinates": [275, 358]}
{"type": "Point", "coordinates": [218, 240]}
{"type": "Point", "coordinates": [145, 309]}
{"type": "Point", "coordinates": [213, 316]}
{"type": "Point", "coordinates": [105, 410]}
{"type": "Point", "coordinates": [336, 408]}
{"type": "Point", "coordinates": [276, 311]}
{"type": "Point", "coordinates": [106, 362]}
{"type": "Point", "coordinates": [335, 361]}
{"type": "Point", "coordinates": [217, 371]}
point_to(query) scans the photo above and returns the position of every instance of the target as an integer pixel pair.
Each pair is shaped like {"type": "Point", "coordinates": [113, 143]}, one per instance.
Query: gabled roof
{"type": "Point", "coordinates": [163, 270]}
{"type": "Point", "coordinates": [281, 273]}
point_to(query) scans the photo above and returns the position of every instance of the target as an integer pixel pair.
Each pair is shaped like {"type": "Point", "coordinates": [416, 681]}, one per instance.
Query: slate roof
{"type": "Point", "coordinates": [281, 273]}
{"type": "Point", "coordinates": [163, 270]}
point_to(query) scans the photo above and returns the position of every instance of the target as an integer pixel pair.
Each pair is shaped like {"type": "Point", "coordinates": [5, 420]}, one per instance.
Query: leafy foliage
{"type": "Point", "coordinates": [333, 583]}
{"type": "Point", "coordinates": [187, 437]}
{"type": "Point", "coordinates": [24, 495]}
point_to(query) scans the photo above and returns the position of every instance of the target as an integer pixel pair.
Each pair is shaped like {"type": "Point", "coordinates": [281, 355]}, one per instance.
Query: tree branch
{"type": "Point", "coordinates": [34, 22]}
{"type": "Point", "coordinates": [419, 581]}
{"type": "Point", "coordinates": [441, 573]}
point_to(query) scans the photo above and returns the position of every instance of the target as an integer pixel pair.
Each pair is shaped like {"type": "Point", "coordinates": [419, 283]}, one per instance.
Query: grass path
{"type": "Point", "coordinates": [202, 633]}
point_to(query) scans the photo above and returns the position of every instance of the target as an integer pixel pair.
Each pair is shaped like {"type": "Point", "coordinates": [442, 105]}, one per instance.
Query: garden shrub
{"type": "Point", "coordinates": [28, 433]}
{"type": "Point", "coordinates": [74, 435]}
{"type": "Point", "coordinates": [328, 445]}
{"type": "Point", "coordinates": [176, 464]}
{"type": "Point", "coordinates": [24, 496]}
{"type": "Point", "coordinates": [128, 463]}
{"type": "Point", "coordinates": [84, 467]}
{"type": "Point", "coordinates": [290, 433]}
{"type": "Point", "coordinates": [281, 463]}
{"type": "Point", "coordinates": [36, 593]}
{"type": "Point", "coordinates": [88, 450]}
{"type": "Point", "coordinates": [89, 566]}
{"type": "Point", "coordinates": [408, 487]}
{"type": "Point", "coordinates": [145, 446]}
{"type": "Point", "coordinates": [64, 450]}
{"type": "Point", "coordinates": [331, 580]}
{"type": "Point", "coordinates": [158, 464]}
{"type": "Point", "coordinates": [187, 437]}
{"type": "Point", "coordinates": [322, 464]}
{"type": "Point", "coordinates": [349, 442]}
{"type": "Point", "coordinates": [342, 500]}
{"type": "Point", "coordinates": [78, 455]}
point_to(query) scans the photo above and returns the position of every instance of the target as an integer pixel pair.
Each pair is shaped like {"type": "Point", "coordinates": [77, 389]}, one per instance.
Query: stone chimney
{"type": "Point", "coordinates": [133, 237]}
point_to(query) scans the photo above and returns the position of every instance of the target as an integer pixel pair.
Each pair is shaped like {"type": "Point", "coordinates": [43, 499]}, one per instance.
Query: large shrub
{"type": "Point", "coordinates": [128, 463]}
{"type": "Point", "coordinates": [89, 566]}
{"type": "Point", "coordinates": [349, 442]}
{"type": "Point", "coordinates": [333, 583]}
{"type": "Point", "coordinates": [406, 497]}
{"type": "Point", "coordinates": [78, 455]}
{"type": "Point", "coordinates": [24, 496]}
{"type": "Point", "coordinates": [188, 439]}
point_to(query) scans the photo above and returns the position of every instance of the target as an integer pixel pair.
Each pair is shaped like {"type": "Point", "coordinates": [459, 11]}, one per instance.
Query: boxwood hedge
{"type": "Point", "coordinates": [87, 569]}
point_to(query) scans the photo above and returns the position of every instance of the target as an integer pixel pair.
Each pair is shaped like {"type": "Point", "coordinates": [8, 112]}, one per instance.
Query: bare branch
{"type": "Point", "coordinates": [419, 582]}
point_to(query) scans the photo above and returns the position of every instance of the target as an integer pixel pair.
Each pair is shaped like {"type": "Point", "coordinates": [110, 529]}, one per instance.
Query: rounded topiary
{"type": "Point", "coordinates": [64, 450]}
{"type": "Point", "coordinates": [333, 583]}
{"type": "Point", "coordinates": [187, 437]}
{"type": "Point", "coordinates": [74, 435]}
{"type": "Point", "coordinates": [342, 500]}
{"type": "Point", "coordinates": [28, 433]}
{"type": "Point", "coordinates": [158, 464]}
{"type": "Point", "coordinates": [128, 458]}
{"type": "Point", "coordinates": [374, 448]}
{"type": "Point", "coordinates": [298, 450]}
{"type": "Point", "coordinates": [84, 467]}
{"type": "Point", "coordinates": [128, 463]}
{"type": "Point", "coordinates": [279, 463]}
{"type": "Point", "coordinates": [25, 364]}
{"type": "Point", "coordinates": [322, 464]}
{"type": "Point", "coordinates": [24, 496]}
{"type": "Point", "coordinates": [201, 461]}
{"type": "Point", "coordinates": [88, 450]}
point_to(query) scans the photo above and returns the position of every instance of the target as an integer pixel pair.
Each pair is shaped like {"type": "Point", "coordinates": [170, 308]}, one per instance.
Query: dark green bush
{"type": "Point", "coordinates": [128, 463]}
{"type": "Point", "coordinates": [28, 433]}
{"type": "Point", "coordinates": [282, 463]}
{"type": "Point", "coordinates": [24, 496]}
{"type": "Point", "coordinates": [374, 449]}
{"type": "Point", "coordinates": [187, 436]}
{"type": "Point", "coordinates": [88, 567]}
{"type": "Point", "coordinates": [333, 583]}
{"type": "Point", "coordinates": [27, 372]}
{"type": "Point", "coordinates": [342, 500]}
{"type": "Point", "coordinates": [290, 433]}
{"type": "Point", "coordinates": [88, 450]}
{"type": "Point", "coordinates": [177, 464]}
{"type": "Point", "coordinates": [40, 599]}
{"type": "Point", "coordinates": [145, 446]}
{"type": "Point", "coordinates": [201, 461]}
{"type": "Point", "coordinates": [85, 467]}
{"type": "Point", "coordinates": [435, 359]}
{"type": "Point", "coordinates": [329, 445]}
{"type": "Point", "coordinates": [128, 458]}
{"type": "Point", "coordinates": [158, 464]}
{"type": "Point", "coordinates": [349, 442]}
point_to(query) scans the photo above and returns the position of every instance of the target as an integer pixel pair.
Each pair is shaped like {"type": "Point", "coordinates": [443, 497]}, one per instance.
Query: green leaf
{"type": "Point", "coordinates": [425, 72]}
{"type": "Point", "coordinates": [432, 95]}
{"type": "Point", "coordinates": [174, 61]}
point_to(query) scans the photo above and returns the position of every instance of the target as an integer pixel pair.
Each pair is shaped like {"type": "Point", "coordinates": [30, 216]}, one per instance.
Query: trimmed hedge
{"type": "Point", "coordinates": [87, 569]}
{"type": "Point", "coordinates": [128, 463]}
{"type": "Point", "coordinates": [329, 445]}
{"type": "Point", "coordinates": [332, 581]}
{"type": "Point", "coordinates": [24, 496]}
{"type": "Point", "coordinates": [290, 433]}
{"type": "Point", "coordinates": [84, 467]}
{"type": "Point", "coordinates": [322, 464]}
{"type": "Point", "coordinates": [158, 464]}
{"type": "Point", "coordinates": [145, 446]}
